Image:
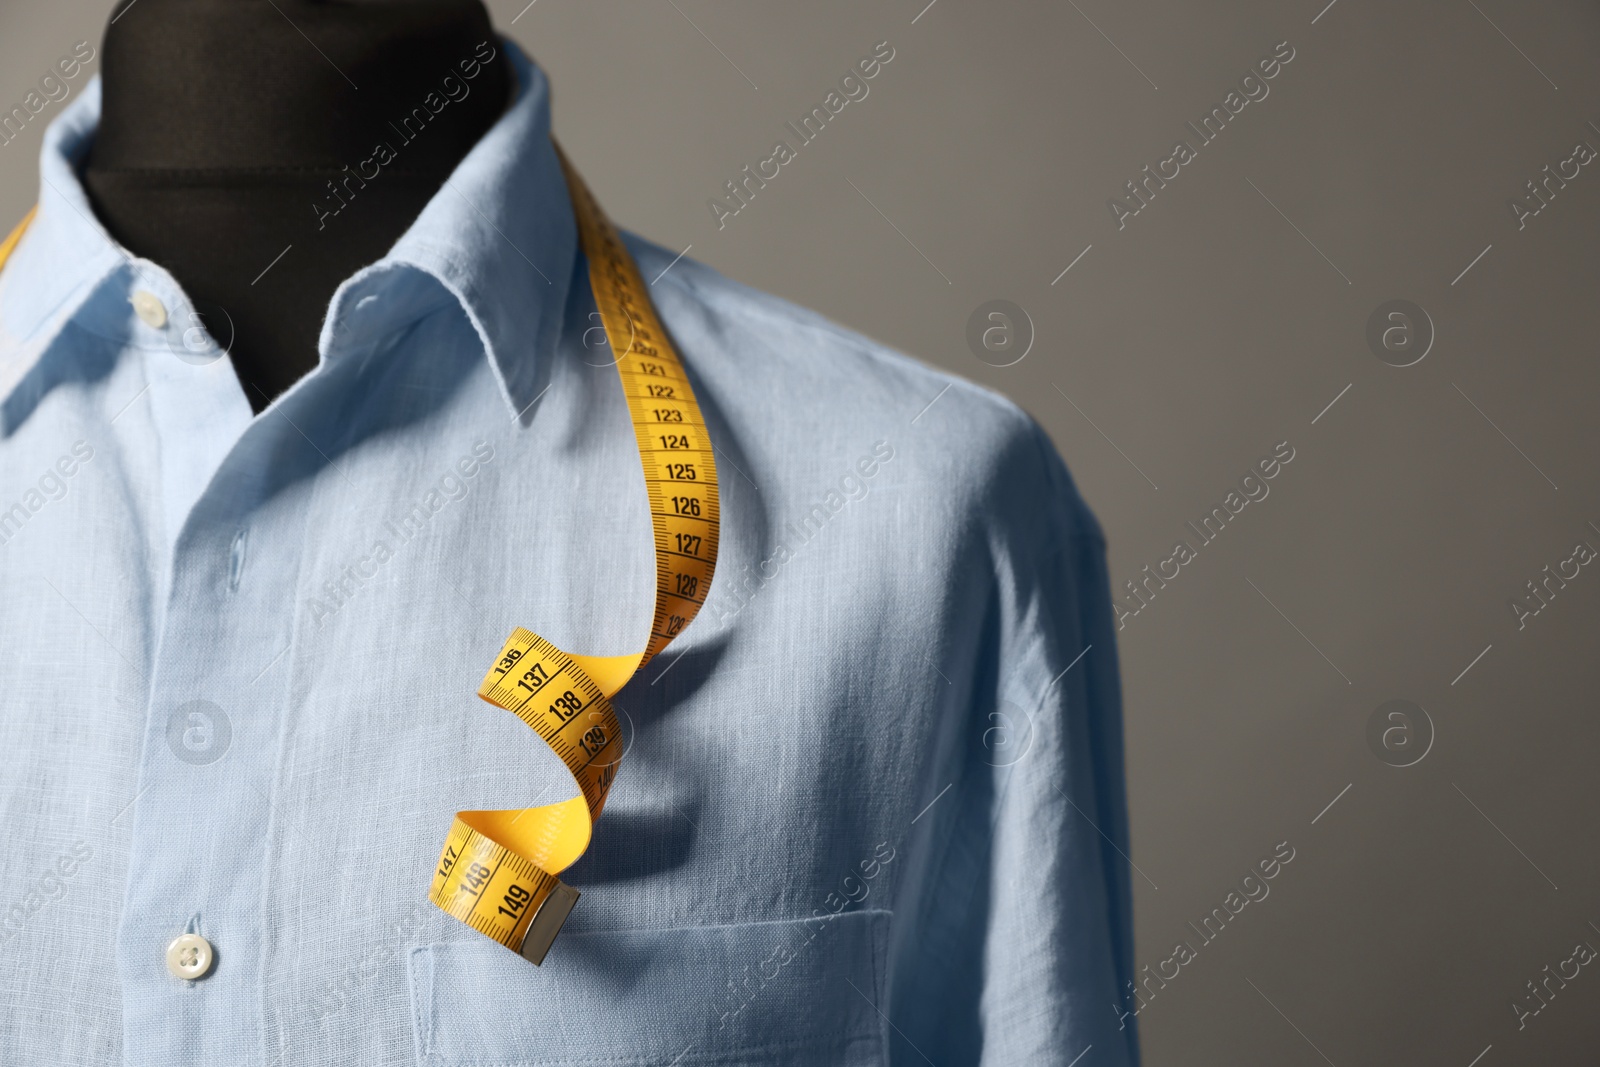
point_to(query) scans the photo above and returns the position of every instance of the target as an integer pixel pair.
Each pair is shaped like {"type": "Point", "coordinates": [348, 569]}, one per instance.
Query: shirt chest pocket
{"type": "Point", "coordinates": [797, 993]}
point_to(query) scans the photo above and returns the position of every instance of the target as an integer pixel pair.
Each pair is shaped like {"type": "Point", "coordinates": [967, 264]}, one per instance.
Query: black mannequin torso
{"type": "Point", "coordinates": [224, 122]}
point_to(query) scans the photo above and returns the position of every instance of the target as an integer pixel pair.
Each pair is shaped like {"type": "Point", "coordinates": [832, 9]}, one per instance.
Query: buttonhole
{"type": "Point", "coordinates": [236, 560]}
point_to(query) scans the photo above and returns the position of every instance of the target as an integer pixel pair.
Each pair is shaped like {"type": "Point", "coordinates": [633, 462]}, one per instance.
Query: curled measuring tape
{"type": "Point", "coordinates": [499, 870]}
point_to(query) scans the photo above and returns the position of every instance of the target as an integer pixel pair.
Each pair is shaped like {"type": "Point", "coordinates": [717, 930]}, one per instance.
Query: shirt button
{"type": "Point", "coordinates": [189, 957]}
{"type": "Point", "coordinates": [149, 309]}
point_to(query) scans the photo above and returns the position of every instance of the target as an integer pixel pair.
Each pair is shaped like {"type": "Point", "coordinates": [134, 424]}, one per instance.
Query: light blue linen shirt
{"type": "Point", "coordinates": [872, 806]}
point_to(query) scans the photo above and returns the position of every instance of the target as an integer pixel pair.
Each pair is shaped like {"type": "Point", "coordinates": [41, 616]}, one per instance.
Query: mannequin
{"type": "Point", "coordinates": [232, 130]}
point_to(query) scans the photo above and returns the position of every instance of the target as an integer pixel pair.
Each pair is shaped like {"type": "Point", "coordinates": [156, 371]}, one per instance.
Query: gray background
{"type": "Point", "coordinates": [1222, 320]}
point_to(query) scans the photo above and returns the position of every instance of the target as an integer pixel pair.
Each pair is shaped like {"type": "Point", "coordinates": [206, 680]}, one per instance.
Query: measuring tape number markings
{"type": "Point", "coordinates": [499, 870]}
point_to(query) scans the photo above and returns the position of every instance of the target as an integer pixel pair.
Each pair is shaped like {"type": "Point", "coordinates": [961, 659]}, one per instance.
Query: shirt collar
{"type": "Point", "coordinates": [499, 237]}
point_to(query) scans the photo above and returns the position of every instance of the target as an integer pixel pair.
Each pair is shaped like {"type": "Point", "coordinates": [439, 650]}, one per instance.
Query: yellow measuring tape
{"type": "Point", "coordinates": [499, 870]}
{"type": "Point", "coordinates": [10, 243]}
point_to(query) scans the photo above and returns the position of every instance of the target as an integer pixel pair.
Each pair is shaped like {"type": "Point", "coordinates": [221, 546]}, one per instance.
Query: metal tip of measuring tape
{"type": "Point", "coordinates": [547, 922]}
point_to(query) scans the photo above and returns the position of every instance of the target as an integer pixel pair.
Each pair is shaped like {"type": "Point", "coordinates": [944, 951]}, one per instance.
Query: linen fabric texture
{"type": "Point", "coordinates": [871, 809]}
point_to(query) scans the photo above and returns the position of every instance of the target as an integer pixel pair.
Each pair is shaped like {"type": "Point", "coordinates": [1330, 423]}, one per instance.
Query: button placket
{"type": "Point", "coordinates": [209, 767]}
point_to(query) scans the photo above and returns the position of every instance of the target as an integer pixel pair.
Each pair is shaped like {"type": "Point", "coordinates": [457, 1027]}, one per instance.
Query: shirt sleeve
{"type": "Point", "coordinates": [1014, 936]}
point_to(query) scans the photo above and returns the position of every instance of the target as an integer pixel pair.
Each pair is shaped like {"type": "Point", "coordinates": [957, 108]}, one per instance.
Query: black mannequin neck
{"type": "Point", "coordinates": [225, 121]}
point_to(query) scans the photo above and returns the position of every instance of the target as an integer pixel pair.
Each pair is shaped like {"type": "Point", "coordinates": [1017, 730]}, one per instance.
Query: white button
{"type": "Point", "coordinates": [149, 309]}
{"type": "Point", "coordinates": [189, 956]}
